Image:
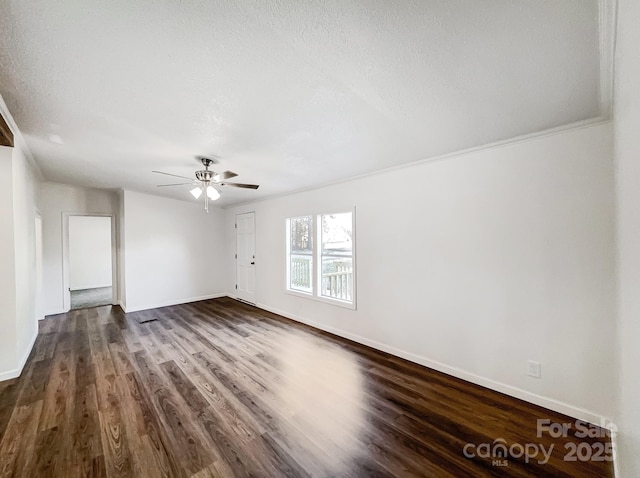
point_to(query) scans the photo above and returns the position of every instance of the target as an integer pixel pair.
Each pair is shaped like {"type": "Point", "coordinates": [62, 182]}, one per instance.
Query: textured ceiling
{"type": "Point", "coordinates": [288, 94]}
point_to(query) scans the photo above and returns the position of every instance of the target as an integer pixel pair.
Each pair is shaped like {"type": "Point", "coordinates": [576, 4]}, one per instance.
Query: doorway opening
{"type": "Point", "coordinates": [90, 261]}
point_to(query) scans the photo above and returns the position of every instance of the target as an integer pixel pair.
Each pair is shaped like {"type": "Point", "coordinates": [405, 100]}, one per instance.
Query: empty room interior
{"type": "Point", "coordinates": [319, 239]}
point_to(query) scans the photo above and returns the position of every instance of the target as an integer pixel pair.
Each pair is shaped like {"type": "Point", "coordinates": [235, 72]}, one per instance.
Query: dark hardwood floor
{"type": "Point", "coordinates": [220, 388]}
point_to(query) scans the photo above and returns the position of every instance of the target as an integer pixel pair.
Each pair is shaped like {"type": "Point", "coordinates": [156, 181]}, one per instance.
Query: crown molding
{"type": "Point", "coordinates": [567, 128]}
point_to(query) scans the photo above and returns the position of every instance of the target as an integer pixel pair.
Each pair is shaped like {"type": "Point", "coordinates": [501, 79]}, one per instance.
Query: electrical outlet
{"type": "Point", "coordinates": [535, 369]}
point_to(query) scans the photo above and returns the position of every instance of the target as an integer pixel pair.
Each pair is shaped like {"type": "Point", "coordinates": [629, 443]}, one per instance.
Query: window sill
{"type": "Point", "coordinates": [326, 300]}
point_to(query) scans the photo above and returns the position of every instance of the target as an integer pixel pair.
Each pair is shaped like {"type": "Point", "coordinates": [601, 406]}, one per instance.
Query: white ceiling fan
{"type": "Point", "coordinates": [205, 180]}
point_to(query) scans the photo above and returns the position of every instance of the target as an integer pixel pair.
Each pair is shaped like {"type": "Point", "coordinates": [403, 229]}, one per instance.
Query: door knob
{"type": "Point", "coordinates": [253, 263]}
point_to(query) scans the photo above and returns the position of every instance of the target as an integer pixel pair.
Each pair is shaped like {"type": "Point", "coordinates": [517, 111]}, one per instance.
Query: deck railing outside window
{"type": "Point", "coordinates": [337, 283]}
{"type": "Point", "coordinates": [301, 272]}
{"type": "Point", "coordinates": [337, 277]}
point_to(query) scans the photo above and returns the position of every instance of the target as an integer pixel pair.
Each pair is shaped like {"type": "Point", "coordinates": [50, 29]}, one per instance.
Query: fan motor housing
{"type": "Point", "coordinates": [204, 175]}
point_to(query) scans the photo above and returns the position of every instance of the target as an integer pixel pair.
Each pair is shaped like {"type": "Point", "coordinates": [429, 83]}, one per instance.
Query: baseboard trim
{"type": "Point", "coordinates": [18, 371]}
{"type": "Point", "coordinates": [137, 308]}
{"type": "Point", "coordinates": [122, 306]}
{"type": "Point", "coordinates": [25, 357]}
{"type": "Point", "coordinates": [542, 401]}
{"type": "Point", "coordinates": [9, 374]}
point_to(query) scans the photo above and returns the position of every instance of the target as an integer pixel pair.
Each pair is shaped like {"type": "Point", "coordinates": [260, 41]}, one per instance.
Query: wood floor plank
{"type": "Point", "coordinates": [100, 354]}
{"type": "Point", "coordinates": [48, 455]}
{"type": "Point", "coordinates": [9, 393]}
{"type": "Point", "coordinates": [17, 447]}
{"type": "Point", "coordinates": [115, 446]}
{"type": "Point", "coordinates": [98, 468]}
{"type": "Point", "coordinates": [86, 440]}
{"type": "Point", "coordinates": [149, 427]}
{"type": "Point", "coordinates": [144, 463]}
{"type": "Point", "coordinates": [115, 443]}
{"type": "Point", "coordinates": [191, 452]}
{"type": "Point", "coordinates": [59, 389]}
{"type": "Point", "coordinates": [244, 426]}
{"type": "Point", "coordinates": [45, 346]}
{"type": "Point", "coordinates": [219, 388]}
{"type": "Point", "coordinates": [185, 387]}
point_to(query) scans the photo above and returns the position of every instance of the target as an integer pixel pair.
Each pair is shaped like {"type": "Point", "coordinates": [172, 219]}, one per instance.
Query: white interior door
{"type": "Point", "coordinates": [246, 257]}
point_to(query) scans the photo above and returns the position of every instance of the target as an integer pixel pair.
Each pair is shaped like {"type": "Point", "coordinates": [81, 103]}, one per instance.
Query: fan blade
{"type": "Point", "coordinates": [240, 185]}
{"type": "Point", "coordinates": [222, 176]}
{"type": "Point", "coordinates": [176, 184]}
{"type": "Point", "coordinates": [176, 175]}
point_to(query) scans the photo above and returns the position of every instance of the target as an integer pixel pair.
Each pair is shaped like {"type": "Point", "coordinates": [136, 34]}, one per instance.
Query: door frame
{"type": "Point", "coordinates": [236, 253]}
{"type": "Point", "coordinates": [39, 258]}
{"type": "Point", "coordinates": [66, 294]}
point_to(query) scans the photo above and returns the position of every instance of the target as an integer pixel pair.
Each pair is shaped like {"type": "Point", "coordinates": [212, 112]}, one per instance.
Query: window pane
{"type": "Point", "coordinates": [337, 278]}
{"type": "Point", "coordinates": [336, 234]}
{"type": "Point", "coordinates": [301, 254]}
{"type": "Point", "coordinates": [337, 256]}
{"type": "Point", "coordinates": [301, 235]}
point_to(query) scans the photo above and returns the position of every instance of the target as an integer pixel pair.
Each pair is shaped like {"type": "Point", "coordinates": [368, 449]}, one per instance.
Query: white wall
{"type": "Point", "coordinates": [474, 265]}
{"type": "Point", "coordinates": [8, 345]}
{"type": "Point", "coordinates": [627, 155]}
{"type": "Point", "coordinates": [56, 200]}
{"type": "Point", "coordinates": [25, 198]}
{"type": "Point", "coordinates": [174, 251]}
{"type": "Point", "coordinates": [89, 252]}
{"type": "Point", "coordinates": [18, 205]}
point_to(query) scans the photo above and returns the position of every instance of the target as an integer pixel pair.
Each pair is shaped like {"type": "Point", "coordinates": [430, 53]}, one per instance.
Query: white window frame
{"type": "Point", "coordinates": [316, 277]}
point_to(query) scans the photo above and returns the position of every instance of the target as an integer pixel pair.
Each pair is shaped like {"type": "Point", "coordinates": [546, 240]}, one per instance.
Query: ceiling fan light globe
{"type": "Point", "coordinates": [196, 192]}
{"type": "Point", "coordinates": [212, 193]}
